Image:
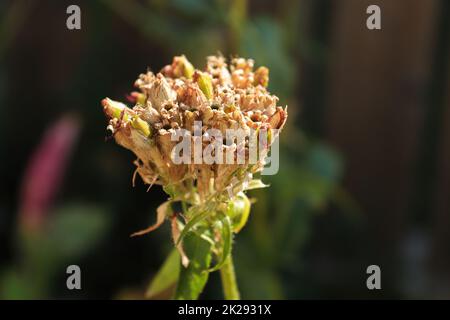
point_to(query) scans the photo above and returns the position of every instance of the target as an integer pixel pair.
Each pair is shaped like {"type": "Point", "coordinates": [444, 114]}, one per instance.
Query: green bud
{"type": "Point", "coordinates": [139, 124]}
{"type": "Point", "coordinates": [182, 67]}
{"type": "Point", "coordinates": [204, 82]}
{"type": "Point", "coordinates": [238, 211]}
{"type": "Point", "coordinates": [118, 110]}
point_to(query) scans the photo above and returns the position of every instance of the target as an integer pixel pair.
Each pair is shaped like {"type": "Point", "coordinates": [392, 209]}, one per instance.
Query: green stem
{"type": "Point", "coordinates": [229, 284]}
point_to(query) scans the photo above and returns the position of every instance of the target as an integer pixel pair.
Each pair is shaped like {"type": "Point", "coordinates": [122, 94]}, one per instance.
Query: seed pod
{"type": "Point", "coordinates": [204, 82]}
{"type": "Point", "coordinates": [117, 110]}
{"type": "Point", "coordinates": [160, 92]}
{"type": "Point", "coordinates": [181, 67]}
{"type": "Point", "coordinates": [261, 77]}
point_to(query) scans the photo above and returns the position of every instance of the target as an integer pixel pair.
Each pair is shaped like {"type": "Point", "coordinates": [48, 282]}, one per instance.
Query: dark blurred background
{"type": "Point", "coordinates": [365, 157]}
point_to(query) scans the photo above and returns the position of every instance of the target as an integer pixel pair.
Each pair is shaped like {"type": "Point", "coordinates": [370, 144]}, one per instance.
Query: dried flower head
{"type": "Point", "coordinates": [188, 103]}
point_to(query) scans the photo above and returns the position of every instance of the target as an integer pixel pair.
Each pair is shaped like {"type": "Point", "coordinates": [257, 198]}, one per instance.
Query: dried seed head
{"type": "Point", "coordinates": [219, 98]}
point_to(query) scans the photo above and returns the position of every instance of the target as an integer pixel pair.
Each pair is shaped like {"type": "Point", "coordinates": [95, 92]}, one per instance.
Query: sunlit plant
{"type": "Point", "coordinates": [207, 203]}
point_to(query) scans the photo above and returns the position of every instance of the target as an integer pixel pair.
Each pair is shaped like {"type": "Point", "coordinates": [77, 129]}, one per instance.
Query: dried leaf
{"type": "Point", "coordinates": [161, 213]}
{"type": "Point", "coordinates": [178, 245]}
{"type": "Point", "coordinates": [256, 184]}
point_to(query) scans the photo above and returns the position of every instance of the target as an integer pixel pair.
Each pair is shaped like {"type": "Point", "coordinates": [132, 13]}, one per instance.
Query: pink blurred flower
{"type": "Point", "coordinates": [45, 171]}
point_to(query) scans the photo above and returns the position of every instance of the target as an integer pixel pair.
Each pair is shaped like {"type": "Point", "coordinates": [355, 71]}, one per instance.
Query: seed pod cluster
{"type": "Point", "coordinates": [221, 97]}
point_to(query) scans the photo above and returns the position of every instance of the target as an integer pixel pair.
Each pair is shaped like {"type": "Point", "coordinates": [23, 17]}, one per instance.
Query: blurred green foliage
{"type": "Point", "coordinates": [70, 232]}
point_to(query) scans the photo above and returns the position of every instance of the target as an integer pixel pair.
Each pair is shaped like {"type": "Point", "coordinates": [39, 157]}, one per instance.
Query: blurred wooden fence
{"type": "Point", "coordinates": [387, 109]}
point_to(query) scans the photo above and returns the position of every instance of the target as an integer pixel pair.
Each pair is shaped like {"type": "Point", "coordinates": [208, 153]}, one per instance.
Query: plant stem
{"type": "Point", "coordinates": [229, 283]}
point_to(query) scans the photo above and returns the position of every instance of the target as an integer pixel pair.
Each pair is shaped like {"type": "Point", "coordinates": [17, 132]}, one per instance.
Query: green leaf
{"type": "Point", "coordinates": [166, 277]}
{"type": "Point", "coordinates": [239, 211]}
{"type": "Point", "coordinates": [193, 279]}
{"type": "Point", "coordinates": [171, 191]}
{"type": "Point", "coordinates": [226, 241]}
{"type": "Point", "coordinates": [191, 223]}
